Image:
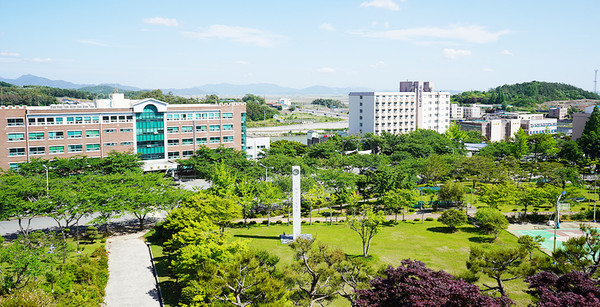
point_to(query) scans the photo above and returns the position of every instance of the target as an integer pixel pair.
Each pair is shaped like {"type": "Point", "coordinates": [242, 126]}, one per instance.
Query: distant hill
{"type": "Point", "coordinates": [526, 94]}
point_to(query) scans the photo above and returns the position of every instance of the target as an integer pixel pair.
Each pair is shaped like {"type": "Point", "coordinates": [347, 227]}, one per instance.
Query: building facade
{"type": "Point", "coordinates": [415, 106]}
{"type": "Point", "coordinates": [504, 126]}
{"type": "Point", "coordinates": [255, 147]}
{"type": "Point", "coordinates": [156, 130]}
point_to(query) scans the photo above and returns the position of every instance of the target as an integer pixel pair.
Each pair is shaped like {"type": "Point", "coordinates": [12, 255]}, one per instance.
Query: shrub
{"type": "Point", "coordinates": [317, 221]}
{"type": "Point", "coordinates": [416, 220]}
{"type": "Point", "coordinates": [252, 223]}
{"type": "Point", "coordinates": [265, 222]}
{"type": "Point", "coordinates": [453, 218]}
{"type": "Point", "coordinates": [278, 222]}
{"type": "Point", "coordinates": [429, 219]}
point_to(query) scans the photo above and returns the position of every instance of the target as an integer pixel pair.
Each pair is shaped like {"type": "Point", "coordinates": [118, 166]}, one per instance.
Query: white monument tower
{"type": "Point", "coordinates": [296, 219]}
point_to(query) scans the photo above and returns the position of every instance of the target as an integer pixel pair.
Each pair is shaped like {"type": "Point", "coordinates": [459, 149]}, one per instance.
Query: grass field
{"type": "Point", "coordinates": [428, 242]}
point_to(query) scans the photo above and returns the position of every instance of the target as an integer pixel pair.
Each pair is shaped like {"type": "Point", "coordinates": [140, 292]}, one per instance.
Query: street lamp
{"type": "Point", "coordinates": [47, 190]}
{"type": "Point", "coordinates": [266, 175]}
{"type": "Point", "coordinates": [557, 218]}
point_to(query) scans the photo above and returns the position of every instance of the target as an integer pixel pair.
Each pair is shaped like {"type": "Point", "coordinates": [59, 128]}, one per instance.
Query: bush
{"type": "Point", "coordinates": [429, 219]}
{"type": "Point", "coordinates": [279, 222]}
{"type": "Point", "coordinates": [317, 221]}
{"type": "Point", "coordinates": [453, 218]}
{"type": "Point", "coordinates": [416, 220]}
{"type": "Point", "coordinates": [265, 222]}
{"type": "Point", "coordinates": [252, 223]}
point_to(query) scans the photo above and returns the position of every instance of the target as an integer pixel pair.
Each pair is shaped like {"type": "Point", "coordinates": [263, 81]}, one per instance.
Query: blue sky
{"type": "Point", "coordinates": [458, 45]}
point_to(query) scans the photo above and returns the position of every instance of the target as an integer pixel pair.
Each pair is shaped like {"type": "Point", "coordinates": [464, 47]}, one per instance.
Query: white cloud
{"type": "Point", "coordinates": [488, 70]}
{"type": "Point", "coordinates": [471, 34]}
{"type": "Point", "coordinates": [161, 21]}
{"type": "Point", "coordinates": [42, 60]}
{"type": "Point", "coordinates": [326, 26]}
{"type": "Point", "coordinates": [241, 62]}
{"type": "Point", "coordinates": [506, 52]}
{"type": "Point", "coordinates": [8, 53]}
{"type": "Point", "coordinates": [386, 25]}
{"type": "Point", "coordinates": [326, 70]}
{"type": "Point", "coordinates": [237, 34]}
{"type": "Point", "coordinates": [384, 4]}
{"type": "Point", "coordinates": [455, 53]}
{"type": "Point", "coordinates": [378, 64]}
{"type": "Point", "coordinates": [92, 42]}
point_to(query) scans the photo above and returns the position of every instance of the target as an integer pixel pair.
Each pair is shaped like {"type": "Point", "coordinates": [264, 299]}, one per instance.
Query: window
{"type": "Point", "coordinates": [55, 135]}
{"type": "Point", "coordinates": [50, 120]}
{"type": "Point", "coordinates": [87, 119]}
{"type": "Point", "coordinates": [33, 136]}
{"type": "Point", "coordinates": [227, 127]}
{"type": "Point", "coordinates": [78, 119]}
{"type": "Point", "coordinates": [92, 147]}
{"type": "Point", "coordinates": [59, 120]}
{"type": "Point", "coordinates": [187, 141]}
{"type": "Point", "coordinates": [16, 151]}
{"type": "Point", "coordinates": [126, 143]}
{"type": "Point", "coordinates": [92, 133]}
{"type": "Point", "coordinates": [12, 122]}
{"type": "Point", "coordinates": [70, 120]}
{"type": "Point", "coordinates": [215, 139]}
{"type": "Point", "coordinates": [109, 130]}
{"type": "Point", "coordinates": [201, 128]}
{"type": "Point", "coordinates": [110, 144]}
{"type": "Point", "coordinates": [187, 153]}
{"type": "Point", "coordinates": [172, 129]}
{"type": "Point", "coordinates": [16, 137]}
{"type": "Point", "coordinates": [37, 150]}
{"type": "Point", "coordinates": [75, 148]}
{"type": "Point", "coordinates": [173, 154]}
{"type": "Point", "coordinates": [215, 128]}
{"type": "Point", "coordinates": [74, 134]}
{"type": "Point", "coordinates": [201, 141]}
{"type": "Point", "coordinates": [186, 129]}
{"type": "Point", "coordinates": [31, 121]}
{"type": "Point", "coordinates": [227, 115]}
{"type": "Point", "coordinates": [126, 130]}
{"type": "Point", "coordinates": [173, 142]}
{"type": "Point", "coordinates": [56, 149]}
{"type": "Point", "coordinates": [227, 139]}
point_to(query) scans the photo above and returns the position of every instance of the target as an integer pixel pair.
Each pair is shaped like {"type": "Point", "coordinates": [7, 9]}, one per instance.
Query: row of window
{"type": "Point", "coordinates": [77, 120]}
{"type": "Point", "coordinates": [200, 141]}
{"type": "Point", "coordinates": [197, 116]}
{"type": "Point", "coordinates": [59, 135]}
{"type": "Point", "coordinates": [41, 150]}
{"type": "Point", "coordinates": [200, 128]}
{"type": "Point", "coordinates": [184, 154]}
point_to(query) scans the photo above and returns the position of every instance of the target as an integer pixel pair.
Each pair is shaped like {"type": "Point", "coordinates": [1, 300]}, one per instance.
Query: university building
{"type": "Point", "coordinates": [414, 106]}
{"type": "Point", "coordinates": [158, 131]}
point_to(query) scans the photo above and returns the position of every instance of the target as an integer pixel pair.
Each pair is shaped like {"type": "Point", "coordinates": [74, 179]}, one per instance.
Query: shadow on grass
{"type": "Point", "coordinates": [258, 237]}
{"type": "Point", "coordinates": [481, 239]}
{"type": "Point", "coordinates": [440, 229]}
{"type": "Point", "coordinates": [170, 290]}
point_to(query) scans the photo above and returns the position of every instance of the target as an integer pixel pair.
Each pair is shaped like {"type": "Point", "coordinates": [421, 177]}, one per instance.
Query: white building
{"type": "Point", "coordinates": [456, 111]}
{"type": "Point", "coordinates": [415, 106]}
{"type": "Point", "coordinates": [256, 145]}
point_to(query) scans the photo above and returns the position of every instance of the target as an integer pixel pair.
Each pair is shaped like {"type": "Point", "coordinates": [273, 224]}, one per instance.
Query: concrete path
{"type": "Point", "coordinates": [130, 281]}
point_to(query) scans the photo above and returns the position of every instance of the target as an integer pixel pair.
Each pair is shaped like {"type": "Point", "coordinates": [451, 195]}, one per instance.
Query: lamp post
{"type": "Point", "coordinates": [594, 186]}
{"type": "Point", "coordinates": [557, 218]}
{"type": "Point", "coordinates": [266, 174]}
{"type": "Point", "coordinates": [46, 168]}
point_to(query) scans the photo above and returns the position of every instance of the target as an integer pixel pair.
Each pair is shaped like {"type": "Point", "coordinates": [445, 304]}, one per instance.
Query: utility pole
{"type": "Point", "coordinates": [595, 80]}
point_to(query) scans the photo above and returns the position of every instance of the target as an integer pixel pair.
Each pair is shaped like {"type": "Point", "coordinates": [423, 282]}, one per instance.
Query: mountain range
{"type": "Point", "coordinates": [221, 89]}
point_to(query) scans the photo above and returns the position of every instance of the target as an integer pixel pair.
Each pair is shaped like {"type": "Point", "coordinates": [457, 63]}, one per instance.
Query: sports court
{"type": "Point", "coordinates": [562, 235]}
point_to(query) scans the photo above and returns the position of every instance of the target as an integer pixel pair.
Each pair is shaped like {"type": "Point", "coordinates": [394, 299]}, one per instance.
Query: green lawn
{"type": "Point", "coordinates": [428, 242]}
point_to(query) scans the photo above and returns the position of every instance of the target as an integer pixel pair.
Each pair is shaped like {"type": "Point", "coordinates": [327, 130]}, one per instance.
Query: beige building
{"type": "Point", "coordinates": [156, 130]}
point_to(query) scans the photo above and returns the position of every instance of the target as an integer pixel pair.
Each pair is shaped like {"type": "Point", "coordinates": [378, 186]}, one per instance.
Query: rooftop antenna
{"type": "Point", "coordinates": [595, 80]}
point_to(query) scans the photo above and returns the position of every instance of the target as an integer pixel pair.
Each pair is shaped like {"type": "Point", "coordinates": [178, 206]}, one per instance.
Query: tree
{"type": "Point", "coordinates": [249, 279]}
{"type": "Point", "coordinates": [21, 198]}
{"type": "Point", "coordinates": [367, 227]}
{"type": "Point", "coordinates": [312, 277]}
{"type": "Point", "coordinates": [455, 133]}
{"type": "Point", "coordinates": [453, 192]}
{"type": "Point", "coordinates": [316, 195]}
{"type": "Point", "coordinates": [413, 284]}
{"type": "Point", "coordinates": [246, 192]}
{"type": "Point", "coordinates": [453, 218]}
{"type": "Point", "coordinates": [581, 253]}
{"type": "Point", "coordinates": [118, 162]}
{"type": "Point", "coordinates": [269, 196]}
{"type": "Point", "coordinates": [589, 142]}
{"type": "Point", "coordinates": [530, 243]}
{"type": "Point", "coordinates": [497, 264]}
{"type": "Point", "coordinates": [570, 289]}
{"type": "Point", "coordinates": [434, 169]}
{"type": "Point", "coordinates": [399, 200]}
{"type": "Point", "coordinates": [21, 261]}
{"type": "Point", "coordinates": [218, 209]}
{"type": "Point", "coordinates": [531, 196]}
{"type": "Point", "coordinates": [571, 152]}
{"type": "Point", "coordinates": [495, 194]}
{"type": "Point", "coordinates": [356, 273]}
{"type": "Point", "coordinates": [491, 221]}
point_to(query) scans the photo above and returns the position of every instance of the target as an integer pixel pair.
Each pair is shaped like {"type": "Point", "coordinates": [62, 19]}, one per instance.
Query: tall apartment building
{"type": "Point", "coordinates": [414, 106]}
{"type": "Point", "coordinates": [158, 131]}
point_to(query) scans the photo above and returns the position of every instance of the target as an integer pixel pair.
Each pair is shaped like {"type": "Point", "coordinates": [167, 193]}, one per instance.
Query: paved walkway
{"type": "Point", "coordinates": [130, 280]}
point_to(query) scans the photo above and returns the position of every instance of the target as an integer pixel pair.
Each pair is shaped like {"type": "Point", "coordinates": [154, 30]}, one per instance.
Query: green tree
{"type": "Point", "coordinates": [312, 277]}
{"type": "Point", "coordinates": [531, 196]}
{"type": "Point", "coordinates": [316, 195]}
{"type": "Point", "coordinates": [21, 262]}
{"type": "Point", "coordinates": [367, 226]}
{"type": "Point", "coordinates": [495, 194]}
{"type": "Point", "coordinates": [399, 200]}
{"type": "Point", "coordinates": [589, 142]}
{"type": "Point", "coordinates": [246, 192]}
{"type": "Point", "coordinates": [455, 133]}
{"type": "Point", "coordinates": [453, 218]}
{"type": "Point", "coordinates": [501, 265]}
{"type": "Point", "coordinates": [220, 210]}
{"type": "Point", "coordinates": [581, 253]}
{"type": "Point", "coordinates": [453, 192]}
{"type": "Point", "coordinates": [269, 197]}
{"type": "Point", "coordinates": [491, 221]}
{"type": "Point", "coordinates": [530, 243]}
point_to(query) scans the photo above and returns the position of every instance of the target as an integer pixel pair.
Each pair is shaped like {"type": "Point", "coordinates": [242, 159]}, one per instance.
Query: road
{"type": "Point", "coordinates": [266, 131]}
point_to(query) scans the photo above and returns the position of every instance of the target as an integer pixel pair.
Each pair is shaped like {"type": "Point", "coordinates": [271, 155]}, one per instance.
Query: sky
{"type": "Point", "coordinates": [456, 44]}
